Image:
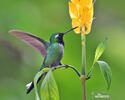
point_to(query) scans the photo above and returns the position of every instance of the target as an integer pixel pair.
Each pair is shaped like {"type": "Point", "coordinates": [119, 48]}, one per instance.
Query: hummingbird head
{"type": "Point", "coordinates": [58, 37]}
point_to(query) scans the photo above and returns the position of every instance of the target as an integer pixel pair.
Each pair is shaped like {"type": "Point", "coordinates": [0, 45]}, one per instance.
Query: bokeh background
{"type": "Point", "coordinates": [19, 62]}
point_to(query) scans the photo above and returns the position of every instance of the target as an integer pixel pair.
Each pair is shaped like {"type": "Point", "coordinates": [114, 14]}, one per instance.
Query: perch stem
{"type": "Point", "coordinates": [83, 77]}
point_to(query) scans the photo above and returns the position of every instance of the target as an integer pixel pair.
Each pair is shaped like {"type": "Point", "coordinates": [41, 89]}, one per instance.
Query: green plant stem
{"type": "Point", "coordinates": [90, 71]}
{"type": "Point", "coordinates": [83, 39]}
{"type": "Point", "coordinates": [83, 78]}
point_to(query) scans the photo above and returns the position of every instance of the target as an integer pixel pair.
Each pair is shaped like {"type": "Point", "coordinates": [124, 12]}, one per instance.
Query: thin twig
{"type": "Point", "coordinates": [90, 71]}
{"type": "Point", "coordinates": [68, 66]}
{"type": "Point", "coordinates": [54, 68]}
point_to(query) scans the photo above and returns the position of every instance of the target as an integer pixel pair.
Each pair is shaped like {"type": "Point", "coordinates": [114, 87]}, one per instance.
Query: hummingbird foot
{"type": "Point", "coordinates": [66, 65]}
{"type": "Point", "coordinates": [60, 63]}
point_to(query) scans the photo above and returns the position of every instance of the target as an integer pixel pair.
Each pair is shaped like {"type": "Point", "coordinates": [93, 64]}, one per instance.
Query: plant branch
{"type": "Point", "coordinates": [83, 77]}
{"type": "Point", "coordinates": [68, 66]}
{"type": "Point", "coordinates": [90, 71]}
{"type": "Point", "coordinates": [54, 68]}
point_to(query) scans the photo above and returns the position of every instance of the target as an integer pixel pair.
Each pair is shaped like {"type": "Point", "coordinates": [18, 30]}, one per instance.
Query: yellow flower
{"type": "Point", "coordinates": [81, 13]}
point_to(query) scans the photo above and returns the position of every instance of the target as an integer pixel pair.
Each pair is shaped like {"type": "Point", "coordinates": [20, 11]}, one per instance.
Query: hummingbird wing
{"type": "Point", "coordinates": [34, 41]}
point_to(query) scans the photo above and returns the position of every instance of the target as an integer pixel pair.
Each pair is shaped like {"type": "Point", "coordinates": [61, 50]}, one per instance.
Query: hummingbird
{"type": "Point", "coordinates": [52, 50]}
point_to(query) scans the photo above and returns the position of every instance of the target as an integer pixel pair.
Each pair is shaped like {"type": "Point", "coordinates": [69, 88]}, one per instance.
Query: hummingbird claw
{"type": "Point", "coordinates": [66, 65]}
{"type": "Point", "coordinates": [55, 68]}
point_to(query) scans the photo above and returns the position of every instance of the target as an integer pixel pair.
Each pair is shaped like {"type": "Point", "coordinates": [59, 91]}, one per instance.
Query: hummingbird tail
{"type": "Point", "coordinates": [30, 86]}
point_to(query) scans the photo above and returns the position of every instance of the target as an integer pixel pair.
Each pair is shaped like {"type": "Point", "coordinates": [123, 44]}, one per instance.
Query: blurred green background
{"type": "Point", "coordinates": [19, 62]}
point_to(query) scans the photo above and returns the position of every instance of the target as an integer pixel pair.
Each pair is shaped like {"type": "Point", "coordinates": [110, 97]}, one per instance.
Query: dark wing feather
{"type": "Point", "coordinates": [34, 41]}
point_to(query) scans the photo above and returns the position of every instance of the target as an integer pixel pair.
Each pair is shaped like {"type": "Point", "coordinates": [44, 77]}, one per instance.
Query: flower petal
{"type": "Point", "coordinates": [81, 12]}
{"type": "Point", "coordinates": [75, 23]}
{"type": "Point", "coordinates": [75, 1]}
{"type": "Point", "coordinates": [73, 10]}
{"type": "Point", "coordinates": [89, 20]}
{"type": "Point", "coordinates": [88, 28]}
{"type": "Point", "coordinates": [86, 12]}
{"type": "Point", "coordinates": [86, 3]}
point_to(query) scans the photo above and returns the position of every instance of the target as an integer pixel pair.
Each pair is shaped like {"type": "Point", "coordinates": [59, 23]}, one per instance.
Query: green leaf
{"type": "Point", "coordinates": [35, 83]}
{"type": "Point", "coordinates": [49, 89]}
{"type": "Point", "coordinates": [99, 50]}
{"type": "Point", "coordinates": [106, 72]}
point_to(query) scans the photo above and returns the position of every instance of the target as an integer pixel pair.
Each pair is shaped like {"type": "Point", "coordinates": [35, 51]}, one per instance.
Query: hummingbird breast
{"type": "Point", "coordinates": [54, 54]}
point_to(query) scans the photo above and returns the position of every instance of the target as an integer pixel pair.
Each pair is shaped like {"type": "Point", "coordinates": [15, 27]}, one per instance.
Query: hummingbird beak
{"type": "Point", "coordinates": [70, 30]}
